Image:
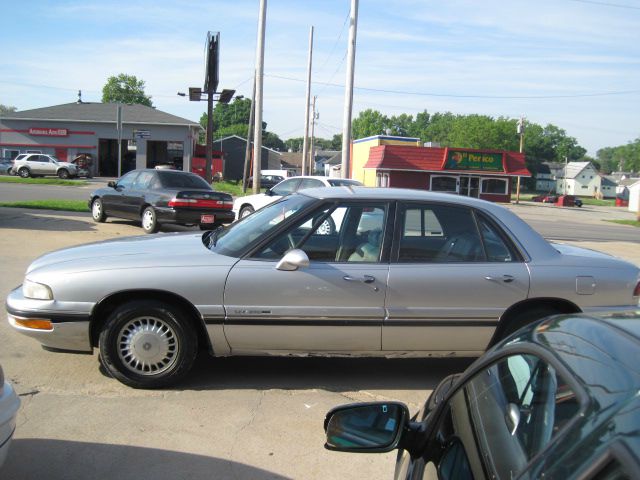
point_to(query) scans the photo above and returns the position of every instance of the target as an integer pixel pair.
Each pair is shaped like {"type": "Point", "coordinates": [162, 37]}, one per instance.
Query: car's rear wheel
{"type": "Point", "coordinates": [148, 344]}
{"type": "Point", "coordinates": [246, 211]}
{"type": "Point", "coordinates": [150, 220]}
{"type": "Point", "coordinates": [525, 317]}
{"type": "Point", "coordinates": [97, 210]}
{"type": "Point", "coordinates": [63, 173]}
{"type": "Point", "coordinates": [24, 172]}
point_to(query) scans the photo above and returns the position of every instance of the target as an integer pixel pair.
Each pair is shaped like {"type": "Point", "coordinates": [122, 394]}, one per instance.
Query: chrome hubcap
{"type": "Point", "coordinates": [96, 209]}
{"type": "Point", "coordinates": [147, 220]}
{"type": "Point", "coordinates": [245, 213]}
{"type": "Point", "coordinates": [147, 346]}
{"type": "Point", "coordinates": [324, 228]}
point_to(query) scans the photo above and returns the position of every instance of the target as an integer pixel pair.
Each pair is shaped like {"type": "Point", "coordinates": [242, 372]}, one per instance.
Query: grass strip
{"type": "Point", "coordinates": [61, 205]}
{"type": "Point", "coordinates": [633, 223]}
{"type": "Point", "coordinates": [43, 181]}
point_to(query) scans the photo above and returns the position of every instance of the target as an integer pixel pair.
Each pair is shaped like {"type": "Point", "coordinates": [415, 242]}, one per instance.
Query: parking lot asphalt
{"type": "Point", "coordinates": [232, 418]}
{"type": "Point", "coordinates": [243, 418]}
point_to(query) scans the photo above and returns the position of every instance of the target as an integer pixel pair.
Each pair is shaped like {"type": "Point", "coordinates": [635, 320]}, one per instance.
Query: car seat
{"type": "Point", "coordinates": [368, 251]}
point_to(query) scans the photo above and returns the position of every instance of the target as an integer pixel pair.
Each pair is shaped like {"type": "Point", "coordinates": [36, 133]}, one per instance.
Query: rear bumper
{"type": "Point", "coordinates": [186, 216]}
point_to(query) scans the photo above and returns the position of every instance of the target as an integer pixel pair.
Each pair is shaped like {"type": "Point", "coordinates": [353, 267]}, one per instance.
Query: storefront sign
{"type": "Point", "coordinates": [461, 160]}
{"type": "Point", "coordinates": [49, 132]}
{"type": "Point", "coordinates": [141, 134]}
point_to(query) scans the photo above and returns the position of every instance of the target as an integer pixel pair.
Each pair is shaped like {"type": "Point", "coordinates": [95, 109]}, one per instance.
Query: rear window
{"type": "Point", "coordinates": [182, 180]}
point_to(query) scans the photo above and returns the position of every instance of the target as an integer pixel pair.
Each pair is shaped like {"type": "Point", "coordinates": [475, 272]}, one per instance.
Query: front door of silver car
{"type": "Point", "coordinates": [453, 273]}
{"type": "Point", "coordinates": [336, 304]}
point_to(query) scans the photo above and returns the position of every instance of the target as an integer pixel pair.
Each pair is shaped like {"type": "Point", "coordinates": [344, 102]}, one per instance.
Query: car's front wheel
{"type": "Point", "coordinates": [63, 173]}
{"type": "Point", "coordinates": [246, 211]}
{"type": "Point", "coordinates": [97, 210]}
{"type": "Point", "coordinates": [148, 344]}
{"type": "Point", "coordinates": [150, 220]}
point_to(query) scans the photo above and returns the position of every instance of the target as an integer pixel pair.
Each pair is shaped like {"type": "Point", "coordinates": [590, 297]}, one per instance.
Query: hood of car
{"type": "Point", "coordinates": [67, 164]}
{"type": "Point", "coordinates": [161, 250]}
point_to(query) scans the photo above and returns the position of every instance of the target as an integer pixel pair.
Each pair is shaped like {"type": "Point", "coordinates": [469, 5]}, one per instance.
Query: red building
{"type": "Point", "coordinates": [482, 174]}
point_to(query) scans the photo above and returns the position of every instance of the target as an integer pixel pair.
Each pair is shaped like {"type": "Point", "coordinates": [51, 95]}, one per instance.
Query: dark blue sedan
{"type": "Point", "coordinates": [155, 197]}
{"type": "Point", "coordinates": [559, 399]}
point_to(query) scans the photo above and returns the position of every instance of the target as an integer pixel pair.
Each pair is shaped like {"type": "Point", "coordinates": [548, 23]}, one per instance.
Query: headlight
{"type": "Point", "coordinates": [38, 291]}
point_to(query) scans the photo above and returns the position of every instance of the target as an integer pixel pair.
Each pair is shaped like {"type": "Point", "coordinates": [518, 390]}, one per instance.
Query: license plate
{"type": "Point", "coordinates": [207, 218]}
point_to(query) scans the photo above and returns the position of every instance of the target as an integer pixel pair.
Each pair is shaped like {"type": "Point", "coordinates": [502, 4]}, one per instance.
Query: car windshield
{"type": "Point", "coordinates": [178, 180]}
{"type": "Point", "coordinates": [343, 182]}
{"type": "Point", "coordinates": [235, 239]}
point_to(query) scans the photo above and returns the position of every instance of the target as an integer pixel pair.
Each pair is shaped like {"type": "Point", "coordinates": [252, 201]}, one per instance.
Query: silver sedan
{"type": "Point", "coordinates": [401, 272]}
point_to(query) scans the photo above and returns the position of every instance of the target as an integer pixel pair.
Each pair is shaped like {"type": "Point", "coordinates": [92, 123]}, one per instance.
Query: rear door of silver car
{"type": "Point", "coordinates": [336, 304]}
{"type": "Point", "coordinates": [453, 273]}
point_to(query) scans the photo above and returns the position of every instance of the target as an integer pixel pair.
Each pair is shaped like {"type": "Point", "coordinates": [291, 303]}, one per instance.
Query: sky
{"type": "Point", "coordinates": [572, 63]}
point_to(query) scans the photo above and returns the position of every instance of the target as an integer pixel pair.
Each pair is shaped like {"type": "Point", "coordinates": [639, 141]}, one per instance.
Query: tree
{"type": "Point", "coordinates": [125, 88]}
{"type": "Point", "coordinates": [623, 157]}
{"type": "Point", "coordinates": [369, 122]}
{"type": "Point", "coordinates": [4, 109]}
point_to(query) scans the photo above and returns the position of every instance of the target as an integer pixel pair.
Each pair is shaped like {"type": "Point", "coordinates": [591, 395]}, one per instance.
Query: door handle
{"type": "Point", "coordinates": [365, 279]}
{"type": "Point", "coordinates": [505, 278]}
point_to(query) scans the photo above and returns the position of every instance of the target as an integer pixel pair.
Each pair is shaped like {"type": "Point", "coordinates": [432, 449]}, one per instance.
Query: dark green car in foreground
{"type": "Point", "coordinates": [559, 399]}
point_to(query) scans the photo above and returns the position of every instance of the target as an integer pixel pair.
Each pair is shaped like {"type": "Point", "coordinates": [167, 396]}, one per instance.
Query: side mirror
{"type": "Point", "coordinates": [439, 394]}
{"type": "Point", "coordinates": [112, 184]}
{"type": "Point", "coordinates": [366, 427]}
{"type": "Point", "coordinates": [293, 260]}
{"type": "Point", "coordinates": [268, 192]}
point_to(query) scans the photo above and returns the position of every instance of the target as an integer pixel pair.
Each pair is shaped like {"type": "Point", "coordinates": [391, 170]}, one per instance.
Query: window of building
{"type": "Point", "coordinates": [382, 180]}
{"type": "Point", "coordinates": [494, 185]}
{"type": "Point", "coordinates": [10, 154]}
{"type": "Point", "coordinates": [441, 183]}
{"type": "Point", "coordinates": [584, 186]}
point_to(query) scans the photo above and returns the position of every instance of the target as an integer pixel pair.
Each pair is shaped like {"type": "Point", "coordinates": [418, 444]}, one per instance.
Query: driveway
{"type": "Point", "coordinates": [244, 418]}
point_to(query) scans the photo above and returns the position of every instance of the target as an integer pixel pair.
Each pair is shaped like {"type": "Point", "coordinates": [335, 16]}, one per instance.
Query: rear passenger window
{"type": "Point", "coordinates": [439, 234]}
{"type": "Point", "coordinates": [496, 248]}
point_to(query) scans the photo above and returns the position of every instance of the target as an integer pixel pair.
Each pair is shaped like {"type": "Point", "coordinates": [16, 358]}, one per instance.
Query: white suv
{"type": "Point", "coordinates": [34, 164]}
{"type": "Point", "coordinates": [244, 206]}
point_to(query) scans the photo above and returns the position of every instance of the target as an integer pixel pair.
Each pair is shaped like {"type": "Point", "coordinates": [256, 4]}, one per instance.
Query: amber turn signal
{"type": "Point", "coordinates": [33, 323]}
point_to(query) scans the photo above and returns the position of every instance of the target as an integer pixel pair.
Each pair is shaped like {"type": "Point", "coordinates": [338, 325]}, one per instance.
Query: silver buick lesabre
{"type": "Point", "coordinates": [329, 271]}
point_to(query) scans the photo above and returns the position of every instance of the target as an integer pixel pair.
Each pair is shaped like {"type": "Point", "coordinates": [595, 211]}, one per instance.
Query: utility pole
{"type": "Point", "coordinates": [520, 130]}
{"type": "Point", "coordinates": [348, 91]}
{"type": "Point", "coordinates": [305, 140]}
{"type": "Point", "coordinates": [312, 162]}
{"type": "Point", "coordinates": [119, 127]}
{"type": "Point", "coordinates": [247, 152]}
{"type": "Point", "coordinates": [564, 189]}
{"type": "Point", "coordinates": [257, 128]}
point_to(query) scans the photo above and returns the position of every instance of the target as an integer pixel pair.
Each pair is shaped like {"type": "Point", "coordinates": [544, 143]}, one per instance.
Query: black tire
{"type": "Point", "coordinates": [148, 344]}
{"type": "Point", "coordinates": [24, 172]}
{"type": "Point", "coordinates": [150, 220]}
{"type": "Point", "coordinates": [97, 211]}
{"type": "Point", "coordinates": [246, 211]}
{"type": "Point", "coordinates": [63, 173]}
{"type": "Point", "coordinates": [510, 325]}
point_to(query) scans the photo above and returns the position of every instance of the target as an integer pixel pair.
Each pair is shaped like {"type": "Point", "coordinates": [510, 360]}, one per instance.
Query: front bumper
{"type": "Point", "coordinates": [69, 329]}
{"type": "Point", "coordinates": [9, 404]}
{"type": "Point", "coordinates": [184, 216]}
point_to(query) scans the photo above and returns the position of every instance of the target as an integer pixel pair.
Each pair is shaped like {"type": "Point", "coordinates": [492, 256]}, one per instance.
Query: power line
{"type": "Point", "coordinates": [336, 42]}
{"type": "Point", "coordinates": [605, 4]}
{"type": "Point", "coordinates": [452, 95]}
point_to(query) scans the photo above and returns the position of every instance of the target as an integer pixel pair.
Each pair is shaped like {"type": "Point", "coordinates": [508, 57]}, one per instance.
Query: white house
{"type": "Point", "coordinates": [634, 197]}
{"type": "Point", "coordinates": [579, 178]}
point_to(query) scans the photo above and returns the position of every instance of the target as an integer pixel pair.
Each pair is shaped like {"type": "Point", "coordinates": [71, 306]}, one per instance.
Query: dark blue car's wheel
{"type": "Point", "coordinates": [97, 210]}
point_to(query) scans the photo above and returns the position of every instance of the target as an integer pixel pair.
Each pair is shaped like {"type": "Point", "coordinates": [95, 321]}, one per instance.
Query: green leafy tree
{"type": "Point", "coordinates": [623, 157]}
{"type": "Point", "coordinates": [336, 142]}
{"type": "Point", "coordinates": [369, 122]}
{"type": "Point", "coordinates": [125, 88]}
{"type": "Point", "coordinates": [4, 109]}
{"type": "Point", "coordinates": [294, 144]}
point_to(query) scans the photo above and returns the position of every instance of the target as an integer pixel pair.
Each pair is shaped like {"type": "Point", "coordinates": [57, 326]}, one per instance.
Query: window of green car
{"type": "Point", "coordinates": [499, 420]}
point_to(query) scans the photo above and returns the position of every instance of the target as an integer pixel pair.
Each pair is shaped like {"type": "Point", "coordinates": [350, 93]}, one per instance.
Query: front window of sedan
{"type": "Point", "coordinates": [234, 240]}
{"type": "Point", "coordinates": [127, 180]}
{"type": "Point", "coordinates": [285, 187]}
{"type": "Point", "coordinates": [342, 233]}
